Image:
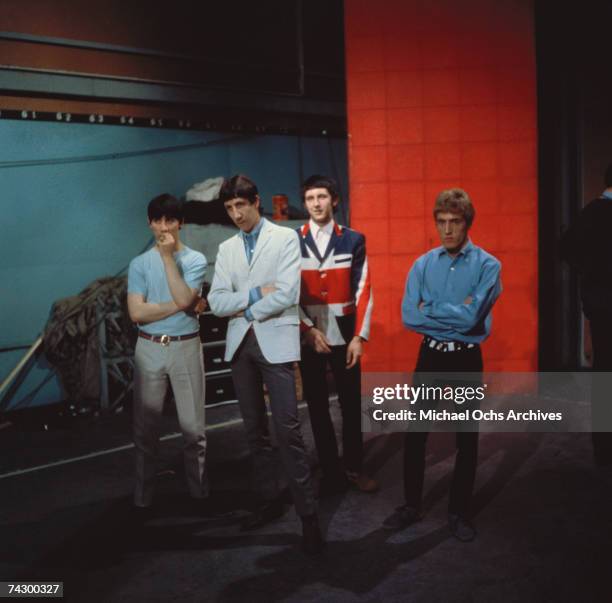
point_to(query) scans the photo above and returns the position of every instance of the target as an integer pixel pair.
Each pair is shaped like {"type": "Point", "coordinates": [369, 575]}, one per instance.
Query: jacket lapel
{"type": "Point", "coordinates": [310, 243]}
{"type": "Point", "coordinates": [262, 240]}
{"type": "Point", "coordinates": [335, 237]}
{"type": "Point", "coordinates": [239, 254]}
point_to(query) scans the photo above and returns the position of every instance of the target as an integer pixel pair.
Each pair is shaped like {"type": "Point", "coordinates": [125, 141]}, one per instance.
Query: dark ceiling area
{"type": "Point", "coordinates": [275, 66]}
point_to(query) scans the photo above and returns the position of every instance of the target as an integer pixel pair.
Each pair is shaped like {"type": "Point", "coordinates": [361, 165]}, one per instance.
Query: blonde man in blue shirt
{"type": "Point", "coordinates": [449, 294]}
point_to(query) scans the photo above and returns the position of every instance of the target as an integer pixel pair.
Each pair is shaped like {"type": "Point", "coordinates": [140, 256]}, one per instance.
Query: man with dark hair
{"type": "Point", "coordinates": [336, 306]}
{"type": "Point", "coordinates": [586, 247]}
{"type": "Point", "coordinates": [449, 294]}
{"type": "Point", "coordinates": [163, 290]}
{"type": "Point", "coordinates": [257, 284]}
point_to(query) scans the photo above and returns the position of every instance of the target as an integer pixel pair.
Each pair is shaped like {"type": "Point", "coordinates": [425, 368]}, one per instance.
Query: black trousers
{"type": "Point", "coordinates": [464, 475]}
{"type": "Point", "coordinates": [250, 370]}
{"type": "Point", "coordinates": [348, 384]}
{"type": "Point", "coordinates": [601, 404]}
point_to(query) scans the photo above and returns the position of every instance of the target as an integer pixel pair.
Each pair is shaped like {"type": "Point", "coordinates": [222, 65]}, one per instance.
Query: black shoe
{"type": "Point", "coordinates": [461, 528]}
{"type": "Point", "coordinates": [262, 515]}
{"type": "Point", "coordinates": [312, 541]}
{"type": "Point", "coordinates": [401, 518]}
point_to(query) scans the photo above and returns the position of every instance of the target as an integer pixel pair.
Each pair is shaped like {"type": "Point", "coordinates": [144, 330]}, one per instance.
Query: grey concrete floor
{"type": "Point", "coordinates": [543, 514]}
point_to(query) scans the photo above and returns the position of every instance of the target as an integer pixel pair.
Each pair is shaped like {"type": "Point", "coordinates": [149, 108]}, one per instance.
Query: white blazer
{"type": "Point", "coordinates": [276, 261]}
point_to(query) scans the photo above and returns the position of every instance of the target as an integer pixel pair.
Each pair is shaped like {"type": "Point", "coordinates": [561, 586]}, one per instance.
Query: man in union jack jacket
{"type": "Point", "coordinates": [335, 310]}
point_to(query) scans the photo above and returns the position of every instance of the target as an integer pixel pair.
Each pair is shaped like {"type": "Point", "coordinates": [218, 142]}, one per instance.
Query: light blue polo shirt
{"type": "Point", "coordinates": [146, 275]}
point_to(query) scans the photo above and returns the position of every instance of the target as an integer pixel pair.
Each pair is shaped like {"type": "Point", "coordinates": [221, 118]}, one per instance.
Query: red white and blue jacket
{"type": "Point", "coordinates": [336, 295]}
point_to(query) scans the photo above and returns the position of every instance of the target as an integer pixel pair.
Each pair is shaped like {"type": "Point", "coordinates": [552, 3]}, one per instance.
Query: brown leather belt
{"type": "Point", "coordinates": [166, 339]}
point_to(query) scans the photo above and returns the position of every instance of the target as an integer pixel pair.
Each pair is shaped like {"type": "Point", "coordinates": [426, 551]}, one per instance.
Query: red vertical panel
{"type": "Point", "coordinates": [443, 94]}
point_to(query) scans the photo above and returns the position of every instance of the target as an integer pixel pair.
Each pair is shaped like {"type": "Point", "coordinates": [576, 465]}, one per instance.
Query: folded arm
{"type": "Point", "coordinates": [222, 298]}
{"type": "Point", "coordinates": [413, 317]}
{"type": "Point", "coordinates": [464, 317]}
{"type": "Point", "coordinates": [286, 286]}
{"type": "Point", "coordinates": [141, 311]}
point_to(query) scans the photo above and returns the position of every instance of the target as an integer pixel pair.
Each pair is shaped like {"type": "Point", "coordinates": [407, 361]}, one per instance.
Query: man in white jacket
{"type": "Point", "coordinates": [257, 284]}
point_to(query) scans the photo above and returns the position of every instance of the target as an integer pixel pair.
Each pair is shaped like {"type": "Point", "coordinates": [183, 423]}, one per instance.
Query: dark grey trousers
{"type": "Point", "coordinates": [250, 370]}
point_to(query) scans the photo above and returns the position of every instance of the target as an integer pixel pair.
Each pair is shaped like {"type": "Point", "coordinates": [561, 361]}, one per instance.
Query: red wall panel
{"type": "Point", "coordinates": [443, 94]}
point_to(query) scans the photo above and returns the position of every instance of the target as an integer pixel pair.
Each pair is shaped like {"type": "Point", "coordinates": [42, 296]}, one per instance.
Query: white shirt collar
{"type": "Point", "coordinates": [327, 229]}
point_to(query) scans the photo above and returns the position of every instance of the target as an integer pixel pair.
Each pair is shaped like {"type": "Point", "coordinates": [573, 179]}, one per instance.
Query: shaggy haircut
{"type": "Point", "coordinates": [318, 181]}
{"type": "Point", "coordinates": [165, 206]}
{"type": "Point", "coordinates": [456, 201]}
{"type": "Point", "coordinates": [238, 187]}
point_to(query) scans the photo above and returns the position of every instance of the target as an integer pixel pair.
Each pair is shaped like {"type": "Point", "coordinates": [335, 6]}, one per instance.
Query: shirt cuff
{"type": "Point", "coordinates": [255, 295]}
{"type": "Point", "coordinates": [248, 315]}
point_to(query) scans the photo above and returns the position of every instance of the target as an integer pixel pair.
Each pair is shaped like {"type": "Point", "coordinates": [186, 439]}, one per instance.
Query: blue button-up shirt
{"type": "Point", "coordinates": [250, 241]}
{"type": "Point", "coordinates": [438, 286]}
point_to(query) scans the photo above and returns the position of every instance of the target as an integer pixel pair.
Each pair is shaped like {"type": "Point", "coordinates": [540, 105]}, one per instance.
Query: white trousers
{"type": "Point", "coordinates": [182, 363]}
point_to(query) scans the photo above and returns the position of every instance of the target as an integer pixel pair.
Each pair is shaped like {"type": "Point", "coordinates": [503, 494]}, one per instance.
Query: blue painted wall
{"type": "Point", "coordinates": [74, 202]}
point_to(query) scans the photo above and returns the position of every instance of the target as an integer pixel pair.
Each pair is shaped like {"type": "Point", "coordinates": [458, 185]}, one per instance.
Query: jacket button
{"type": "Point", "coordinates": [323, 274]}
{"type": "Point", "coordinates": [324, 293]}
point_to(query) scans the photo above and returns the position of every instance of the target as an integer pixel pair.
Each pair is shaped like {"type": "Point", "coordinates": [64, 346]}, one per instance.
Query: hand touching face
{"type": "Point", "coordinates": [166, 232]}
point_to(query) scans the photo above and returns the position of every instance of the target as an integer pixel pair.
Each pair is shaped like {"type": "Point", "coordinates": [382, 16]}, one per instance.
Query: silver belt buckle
{"type": "Point", "coordinates": [165, 340]}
